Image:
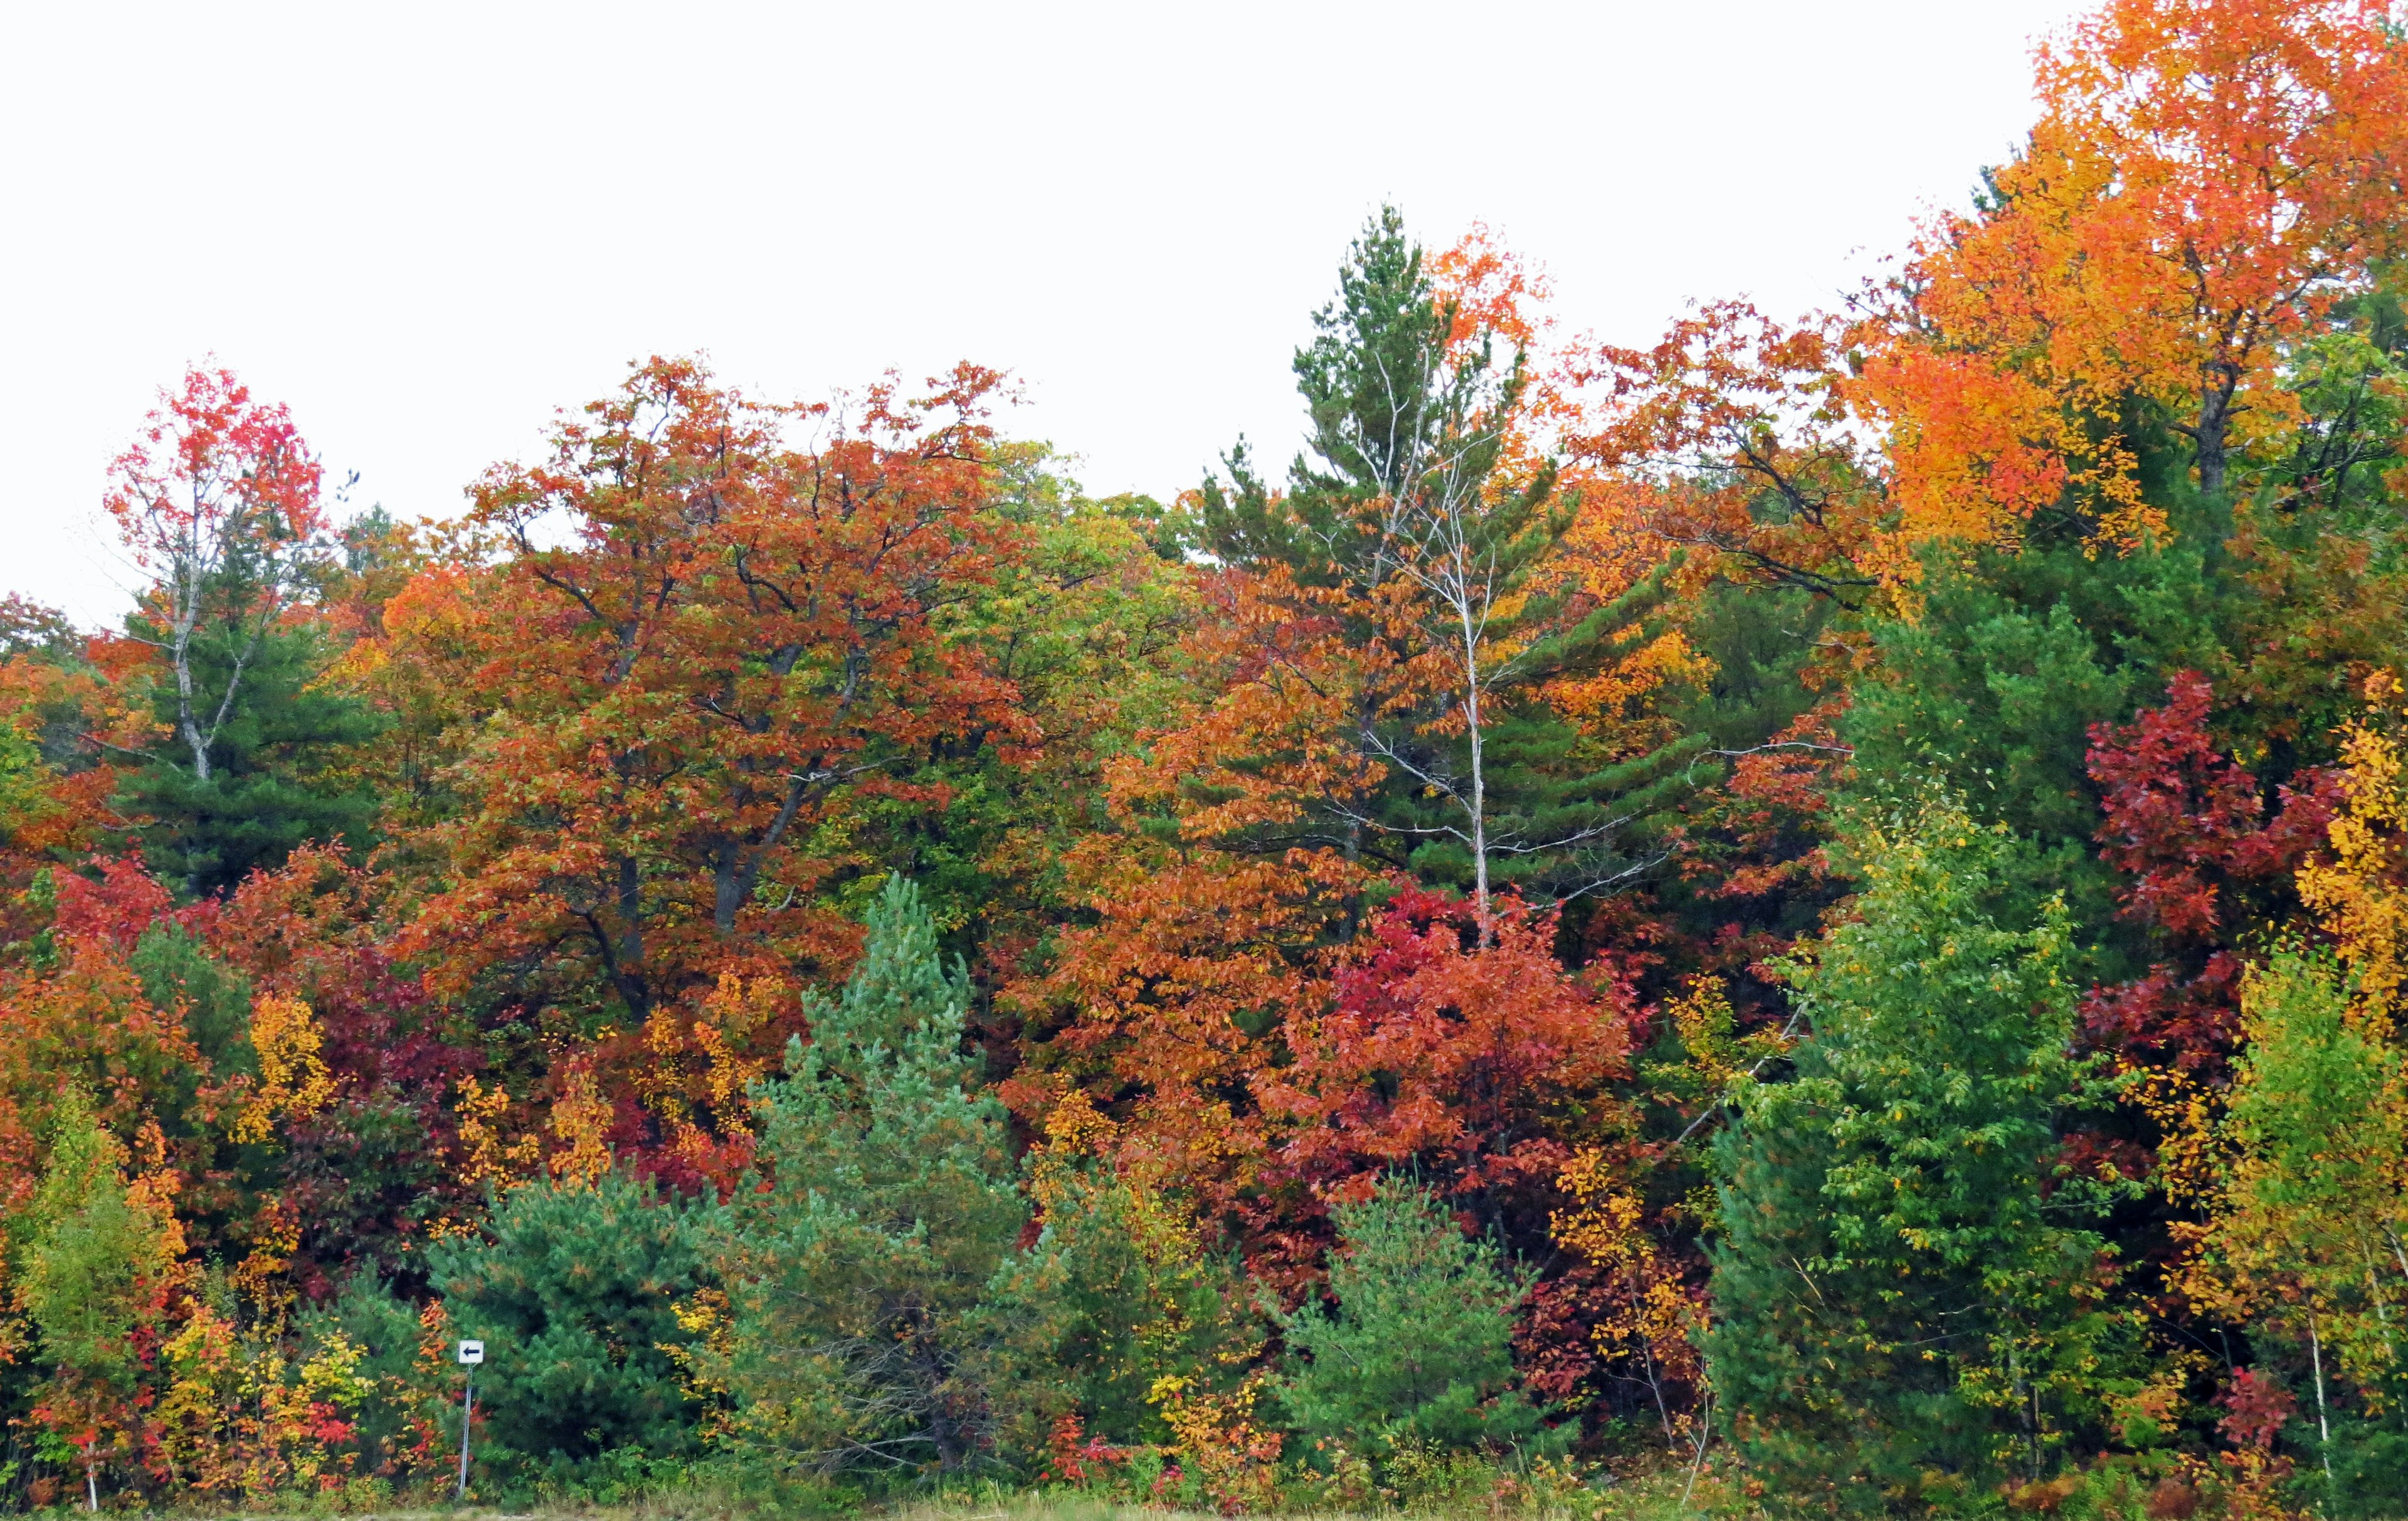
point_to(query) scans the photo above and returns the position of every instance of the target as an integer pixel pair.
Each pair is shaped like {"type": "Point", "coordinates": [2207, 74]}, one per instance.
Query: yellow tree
{"type": "Point", "coordinates": [2308, 1195]}
{"type": "Point", "coordinates": [2301, 1175]}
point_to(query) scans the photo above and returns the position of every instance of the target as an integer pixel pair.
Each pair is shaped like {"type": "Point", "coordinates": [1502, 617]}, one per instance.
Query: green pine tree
{"type": "Point", "coordinates": [1402, 500]}
{"type": "Point", "coordinates": [365, 1318]}
{"type": "Point", "coordinates": [1116, 1293]}
{"type": "Point", "coordinates": [178, 972]}
{"type": "Point", "coordinates": [1418, 1350]}
{"type": "Point", "coordinates": [573, 1290]}
{"type": "Point", "coordinates": [275, 780]}
{"type": "Point", "coordinates": [889, 1206]}
{"type": "Point", "coordinates": [1381, 396]}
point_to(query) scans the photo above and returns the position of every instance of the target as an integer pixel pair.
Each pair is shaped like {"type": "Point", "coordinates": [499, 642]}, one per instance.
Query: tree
{"type": "Point", "coordinates": [1118, 1292]}
{"type": "Point", "coordinates": [2305, 1240]}
{"type": "Point", "coordinates": [95, 1266]}
{"type": "Point", "coordinates": [80, 1020]}
{"type": "Point", "coordinates": [218, 499]}
{"type": "Point", "coordinates": [2358, 892]}
{"type": "Point", "coordinates": [2208, 861]}
{"type": "Point", "coordinates": [74, 710]}
{"type": "Point", "coordinates": [2207, 186]}
{"type": "Point", "coordinates": [2298, 1183]}
{"type": "Point", "coordinates": [1401, 617]}
{"type": "Point", "coordinates": [1085, 623]}
{"type": "Point", "coordinates": [575, 1294]}
{"type": "Point", "coordinates": [1418, 1348]}
{"type": "Point", "coordinates": [1731, 437]}
{"type": "Point", "coordinates": [885, 1207]}
{"type": "Point", "coordinates": [28, 627]}
{"type": "Point", "coordinates": [402, 1352]}
{"type": "Point", "coordinates": [1414, 425]}
{"type": "Point", "coordinates": [1905, 1307]}
{"type": "Point", "coordinates": [276, 780]}
{"type": "Point", "coordinates": [1171, 1008]}
{"type": "Point", "coordinates": [731, 635]}
{"type": "Point", "coordinates": [382, 1164]}
{"type": "Point", "coordinates": [1479, 1068]}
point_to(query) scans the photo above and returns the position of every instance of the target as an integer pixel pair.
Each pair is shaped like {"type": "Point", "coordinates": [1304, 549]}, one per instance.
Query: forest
{"type": "Point", "coordinates": [1814, 913]}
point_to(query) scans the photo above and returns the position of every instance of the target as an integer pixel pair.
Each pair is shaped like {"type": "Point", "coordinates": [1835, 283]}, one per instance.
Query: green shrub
{"type": "Point", "coordinates": [1417, 1352]}
{"type": "Point", "coordinates": [178, 973]}
{"type": "Point", "coordinates": [385, 1331]}
{"type": "Point", "coordinates": [573, 1297]}
{"type": "Point", "coordinates": [1116, 1292]}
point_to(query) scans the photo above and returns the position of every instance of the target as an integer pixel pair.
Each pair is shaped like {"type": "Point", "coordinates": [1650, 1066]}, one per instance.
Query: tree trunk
{"type": "Point", "coordinates": [1471, 716]}
{"type": "Point", "coordinates": [2215, 426]}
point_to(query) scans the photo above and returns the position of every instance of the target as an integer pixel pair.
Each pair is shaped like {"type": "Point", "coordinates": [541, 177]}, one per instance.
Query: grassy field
{"type": "Point", "coordinates": [1657, 1498]}
{"type": "Point", "coordinates": [1650, 1500]}
{"type": "Point", "coordinates": [1653, 1499]}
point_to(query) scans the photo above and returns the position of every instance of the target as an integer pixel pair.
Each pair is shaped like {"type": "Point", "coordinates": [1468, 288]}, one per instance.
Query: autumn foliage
{"type": "Point", "coordinates": [1816, 906]}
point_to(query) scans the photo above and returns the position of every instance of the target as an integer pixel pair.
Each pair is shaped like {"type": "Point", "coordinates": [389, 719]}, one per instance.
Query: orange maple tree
{"type": "Point", "coordinates": [696, 637]}
{"type": "Point", "coordinates": [662, 663]}
{"type": "Point", "coordinates": [2207, 184]}
{"type": "Point", "coordinates": [1731, 439]}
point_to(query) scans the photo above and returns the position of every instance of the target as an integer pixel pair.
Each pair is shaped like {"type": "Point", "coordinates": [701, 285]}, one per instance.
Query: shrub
{"type": "Point", "coordinates": [1417, 1351]}
{"type": "Point", "coordinates": [1116, 1293]}
{"type": "Point", "coordinates": [574, 1298]}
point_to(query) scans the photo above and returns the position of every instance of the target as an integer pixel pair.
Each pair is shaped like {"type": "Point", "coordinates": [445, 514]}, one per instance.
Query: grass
{"type": "Point", "coordinates": [1658, 1497]}
{"type": "Point", "coordinates": [1666, 1496]}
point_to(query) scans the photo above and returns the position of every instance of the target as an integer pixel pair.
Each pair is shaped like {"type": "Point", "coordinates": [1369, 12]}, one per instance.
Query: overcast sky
{"type": "Point", "coordinates": [423, 227]}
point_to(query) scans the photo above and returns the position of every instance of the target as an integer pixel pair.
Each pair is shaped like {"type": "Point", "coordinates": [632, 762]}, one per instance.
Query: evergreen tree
{"type": "Point", "coordinates": [1418, 1348]}
{"type": "Point", "coordinates": [275, 780]}
{"type": "Point", "coordinates": [178, 972]}
{"type": "Point", "coordinates": [886, 1205]}
{"type": "Point", "coordinates": [1384, 398]}
{"type": "Point", "coordinates": [1411, 524]}
{"type": "Point", "coordinates": [219, 499]}
{"type": "Point", "coordinates": [366, 1320]}
{"type": "Point", "coordinates": [1906, 1306]}
{"type": "Point", "coordinates": [574, 1295]}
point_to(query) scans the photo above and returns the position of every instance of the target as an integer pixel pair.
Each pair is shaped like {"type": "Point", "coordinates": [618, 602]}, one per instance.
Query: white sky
{"type": "Point", "coordinates": [425, 226]}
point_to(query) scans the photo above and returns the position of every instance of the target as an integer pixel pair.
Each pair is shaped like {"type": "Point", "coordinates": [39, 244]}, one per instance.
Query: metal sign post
{"type": "Point", "coordinates": [471, 1354]}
